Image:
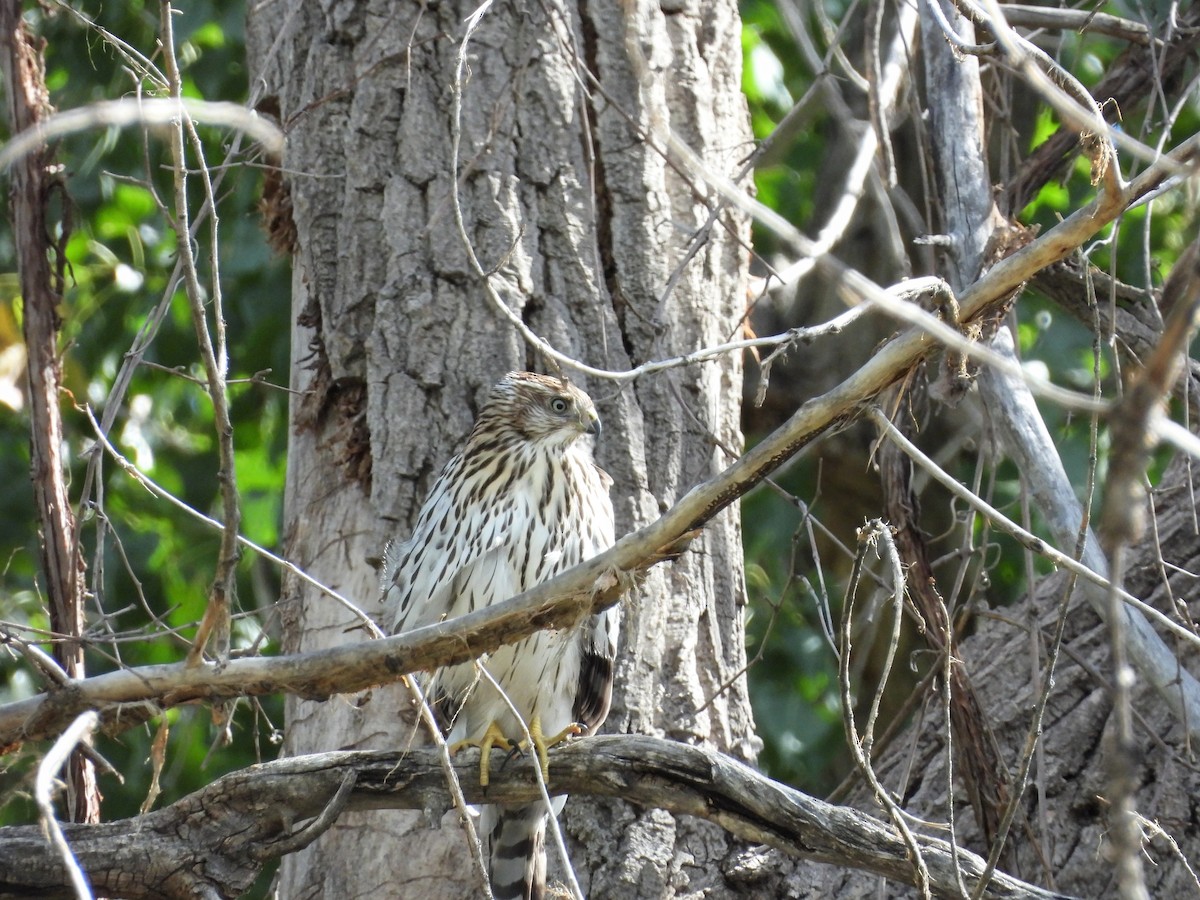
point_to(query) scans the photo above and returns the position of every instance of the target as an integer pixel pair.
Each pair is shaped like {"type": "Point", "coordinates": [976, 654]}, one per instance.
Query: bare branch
{"type": "Point", "coordinates": [1084, 20]}
{"type": "Point", "coordinates": [1127, 83]}
{"type": "Point", "coordinates": [453, 785]}
{"type": "Point", "coordinates": [249, 816]}
{"type": "Point", "coordinates": [861, 746]}
{"type": "Point", "coordinates": [216, 621]}
{"type": "Point", "coordinates": [1122, 522]}
{"type": "Point", "coordinates": [124, 113]}
{"type": "Point", "coordinates": [57, 757]}
{"type": "Point", "coordinates": [34, 190]}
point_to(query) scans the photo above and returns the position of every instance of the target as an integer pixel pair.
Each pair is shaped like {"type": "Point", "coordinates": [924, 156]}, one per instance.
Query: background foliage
{"type": "Point", "coordinates": [150, 564]}
{"type": "Point", "coordinates": [790, 562]}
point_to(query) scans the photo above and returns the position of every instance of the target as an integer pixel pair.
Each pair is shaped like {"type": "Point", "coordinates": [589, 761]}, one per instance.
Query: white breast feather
{"type": "Point", "coordinates": [437, 575]}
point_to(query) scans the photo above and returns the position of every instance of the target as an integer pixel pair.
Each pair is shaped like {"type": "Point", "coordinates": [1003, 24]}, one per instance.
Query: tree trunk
{"type": "Point", "coordinates": [395, 343]}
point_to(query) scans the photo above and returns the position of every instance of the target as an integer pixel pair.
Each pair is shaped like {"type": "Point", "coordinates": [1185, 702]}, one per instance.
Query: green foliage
{"type": "Point", "coordinates": [793, 676]}
{"type": "Point", "coordinates": [150, 563]}
{"type": "Point", "coordinates": [773, 79]}
{"type": "Point", "coordinates": [1171, 226]}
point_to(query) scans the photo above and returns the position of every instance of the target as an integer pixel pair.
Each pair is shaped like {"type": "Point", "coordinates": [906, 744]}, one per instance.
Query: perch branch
{"type": "Point", "coordinates": [216, 839]}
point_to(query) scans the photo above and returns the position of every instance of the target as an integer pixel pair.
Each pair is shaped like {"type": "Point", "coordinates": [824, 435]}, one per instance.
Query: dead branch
{"type": "Point", "coordinates": [975, 756]}
{"type": "Point", "coordinates": [215, 626]}
{"type": "Point", "coordinates": [1124, 87]}
{"type": "Point", "coordinates": [1028, 442]}
{"type": "Point", "coordinates": [215, 841]}
{"type": "Point", "coordinates": [1122, 522]}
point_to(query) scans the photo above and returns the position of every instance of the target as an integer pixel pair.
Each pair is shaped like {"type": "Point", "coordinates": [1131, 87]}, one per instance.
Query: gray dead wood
{"type": "Point", "coordinates": [215, 841]}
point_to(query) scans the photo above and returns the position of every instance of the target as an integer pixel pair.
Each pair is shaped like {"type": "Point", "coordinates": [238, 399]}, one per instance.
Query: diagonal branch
{"type": "Point", "coordinates": [1124, 87]}
{"type": "Point", "coordinates": [589, 587]}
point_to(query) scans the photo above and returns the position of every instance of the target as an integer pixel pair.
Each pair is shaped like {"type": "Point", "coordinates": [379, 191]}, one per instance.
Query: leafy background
{"type": "Point", "coordinates": [146, 557]}
{"type": "Point", "coordinates": [152, 562]}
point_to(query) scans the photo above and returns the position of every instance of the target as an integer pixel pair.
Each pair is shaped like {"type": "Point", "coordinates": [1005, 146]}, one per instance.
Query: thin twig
{"type": "Point", "coordinates": [1033, 736]}
{"type": "Point", "coordinates": [869, 536]}
{"type": "Point", "coordinates": [559, 843]}
{"type": "Point", "coordinates": [151, 485]}
{"type": "Point", "coordinates": [224, 587]}
{"type": "Point", "coordinates": [453, 785]}
{"type": "Point", "coordinates": [1011, 528]}
{"type": "Point", "coordinates": [1122, 523]}
{"type": "Point", "coordinates": [78, 732]}
{"type": "Point", "coordinates": [1088, 21]}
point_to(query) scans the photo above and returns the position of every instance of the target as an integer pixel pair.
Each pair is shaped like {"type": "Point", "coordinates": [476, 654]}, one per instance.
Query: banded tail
{"type": "Point", "coordinates": [516, 840]}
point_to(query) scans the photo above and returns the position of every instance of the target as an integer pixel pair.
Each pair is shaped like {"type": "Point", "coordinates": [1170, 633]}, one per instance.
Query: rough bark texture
{"type": "Point", "coordinates": [254, 814]}
{"type": "Point", "coordinates": [395, 344]}
{"type": "Point", "coordinates": [1073, 824]}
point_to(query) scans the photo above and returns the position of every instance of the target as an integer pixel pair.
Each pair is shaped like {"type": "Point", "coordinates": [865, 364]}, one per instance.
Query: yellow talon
{"type": "Point", "coordinates": [493, 736]}
{"type": "Point", "coordinates": [541, 744]}
{"type": "Point", "coordinates": [490, 738]}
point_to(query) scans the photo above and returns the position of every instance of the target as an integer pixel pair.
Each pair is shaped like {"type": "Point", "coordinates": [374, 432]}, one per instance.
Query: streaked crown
{"type": "Point", "coordinates": [539, 408]}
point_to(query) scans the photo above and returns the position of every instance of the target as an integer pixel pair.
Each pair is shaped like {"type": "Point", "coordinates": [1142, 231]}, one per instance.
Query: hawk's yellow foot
{"type": "Point", "coordinates": [541, 743]}
{"type": "Point", "coordinates": [490, 738]}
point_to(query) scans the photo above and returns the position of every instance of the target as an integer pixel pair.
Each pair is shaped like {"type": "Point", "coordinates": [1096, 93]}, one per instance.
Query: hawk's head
{"type": "Point", "coordinates": [540, 408]}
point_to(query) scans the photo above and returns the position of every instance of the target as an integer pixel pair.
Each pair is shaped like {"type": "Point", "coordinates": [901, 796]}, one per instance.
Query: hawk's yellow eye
{"type": "Point", "coordinates": [559, 405]}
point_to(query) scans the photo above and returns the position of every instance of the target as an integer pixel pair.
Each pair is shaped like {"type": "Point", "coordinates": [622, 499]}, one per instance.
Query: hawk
{"type": "Point", "coordinates": [522, 501]}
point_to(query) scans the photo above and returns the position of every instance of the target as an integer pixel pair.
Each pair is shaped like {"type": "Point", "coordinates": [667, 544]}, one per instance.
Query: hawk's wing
{"type": "Point", "coordinates": [598, 638]}
{"type": "Point", "coordinates": [593, 693]}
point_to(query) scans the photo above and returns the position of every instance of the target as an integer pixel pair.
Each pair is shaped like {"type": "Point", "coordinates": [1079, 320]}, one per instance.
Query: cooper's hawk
{"type": "Point", "coordinates": [522, 501]}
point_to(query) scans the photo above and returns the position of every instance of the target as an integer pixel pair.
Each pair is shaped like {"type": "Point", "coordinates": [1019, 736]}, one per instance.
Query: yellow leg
{"type": "Point", "coordinates": [541, 744]}
{"type": "Point", "coordinates": [490, 738]}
